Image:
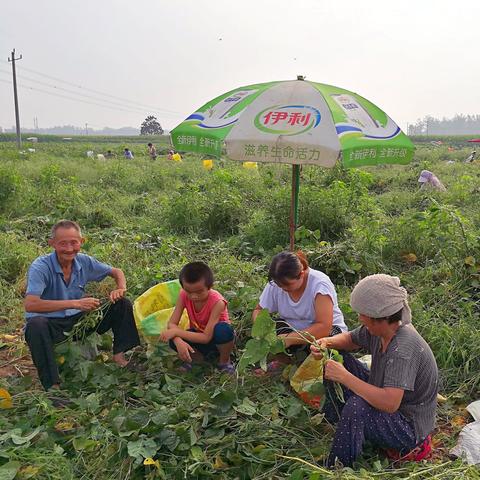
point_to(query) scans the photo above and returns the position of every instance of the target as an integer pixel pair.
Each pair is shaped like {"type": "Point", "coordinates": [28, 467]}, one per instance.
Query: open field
{"type": "Point", "coordinates": [150, 218]}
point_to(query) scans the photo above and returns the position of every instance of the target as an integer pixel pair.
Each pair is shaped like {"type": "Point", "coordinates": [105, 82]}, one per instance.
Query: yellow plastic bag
{"type": "Point", "coordinates": [5, 399]}
{"type": "Point", "coordinates": [208, 164]}
{"type": "Point", "coordinates": [153, 309]}
{"type": "Point", "coordinates": [308, 373]}
{"type": "Point", "coordinates": [250, 165]}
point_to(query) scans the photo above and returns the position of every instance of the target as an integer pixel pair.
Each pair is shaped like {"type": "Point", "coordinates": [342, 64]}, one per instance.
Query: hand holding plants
{"type": "Point", "coordinates": [335, 371]}
{"type": "Point", "coordinates": [117, 294]}
{"type": "Point", "coordinates": [87, 304]}
{"type": "Point", "coordinates": [318, 350]}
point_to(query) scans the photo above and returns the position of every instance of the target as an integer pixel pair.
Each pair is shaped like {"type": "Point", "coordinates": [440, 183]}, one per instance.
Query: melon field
{"type": "Point", "coordinates": [149, 218]}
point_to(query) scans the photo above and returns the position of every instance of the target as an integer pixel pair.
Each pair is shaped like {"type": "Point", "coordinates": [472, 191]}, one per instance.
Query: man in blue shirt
{"type": "Point", "coordinates": [55, 301]}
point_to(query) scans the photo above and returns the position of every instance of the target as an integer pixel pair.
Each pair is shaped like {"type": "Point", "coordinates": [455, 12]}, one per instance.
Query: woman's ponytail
{"type": "Point", "coordinates": [287, 266]}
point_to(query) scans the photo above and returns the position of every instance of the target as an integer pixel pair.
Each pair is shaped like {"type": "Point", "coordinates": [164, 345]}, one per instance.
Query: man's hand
{"type": "Point", "coordinates": [184, 350]}
{"type": "Point", "coordinates": [87, 304]}
{"type": "Point", "coordinates": [117, 294]}
{"type": "Point", "coordinates": [336, 371]}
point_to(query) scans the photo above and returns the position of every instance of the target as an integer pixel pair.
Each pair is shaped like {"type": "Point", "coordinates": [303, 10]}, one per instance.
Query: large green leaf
{"type": "Point", "coordinates": [9, 470]}
{"type": "Point", "coordinates": [142, 448]}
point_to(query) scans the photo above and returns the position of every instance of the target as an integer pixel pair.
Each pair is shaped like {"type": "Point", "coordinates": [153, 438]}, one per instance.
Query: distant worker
{"type": "Point", "coordinates": [430, 180]}
{"type": "Point", "coordinates": [175, 156]}
{"type": "Point", "coordinates": [109, 154]}
{"type": "Point", "coordinates": [152, 151]}
{"type": "Point", "coordinates": [128, 154]}
{"type": "Point", "coordinates": [471, 157]}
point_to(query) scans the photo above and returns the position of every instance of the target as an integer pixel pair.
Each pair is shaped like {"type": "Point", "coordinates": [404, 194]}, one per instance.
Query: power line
{"type": "Point", "coordinates": [97, 91]}
{"type": "Point", "coordinates": [39, 82]}
{"type": "Point", "coordinates": [71, 98]}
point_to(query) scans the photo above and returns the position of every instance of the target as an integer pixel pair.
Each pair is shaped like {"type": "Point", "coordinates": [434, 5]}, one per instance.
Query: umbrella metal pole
{"type": "Point", "coordinates": [294, 204]}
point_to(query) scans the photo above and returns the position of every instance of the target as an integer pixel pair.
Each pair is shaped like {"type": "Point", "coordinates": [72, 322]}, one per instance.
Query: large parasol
{"type": "Point", "coordinates": [297, 122]}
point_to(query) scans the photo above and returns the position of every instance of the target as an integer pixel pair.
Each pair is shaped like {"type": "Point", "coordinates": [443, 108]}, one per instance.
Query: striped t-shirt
{"type": "Point", "coordinates": [408, 364]}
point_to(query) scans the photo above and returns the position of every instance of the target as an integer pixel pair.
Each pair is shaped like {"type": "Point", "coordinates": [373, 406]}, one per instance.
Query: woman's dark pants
{"type": "Point", "coordinates": [358, 422]}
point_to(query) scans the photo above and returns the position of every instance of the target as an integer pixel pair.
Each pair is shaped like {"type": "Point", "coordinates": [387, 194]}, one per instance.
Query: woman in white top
{"type": "Point", "coordinates": [304, 299]}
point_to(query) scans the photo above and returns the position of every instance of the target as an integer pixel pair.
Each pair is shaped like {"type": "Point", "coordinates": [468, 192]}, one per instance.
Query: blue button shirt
{"type": "Point", "coordinates": [45, 279]}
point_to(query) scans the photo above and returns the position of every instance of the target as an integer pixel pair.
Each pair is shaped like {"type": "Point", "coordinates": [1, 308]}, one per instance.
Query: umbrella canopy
{"type": "Point", "coordinates": [297, 122]}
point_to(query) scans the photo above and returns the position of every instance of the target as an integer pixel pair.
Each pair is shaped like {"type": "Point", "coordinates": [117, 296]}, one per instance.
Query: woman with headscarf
{"type": "Point", "coordinates": [430, 180]}
{"type": "Point", "coordinates": [393, 405]}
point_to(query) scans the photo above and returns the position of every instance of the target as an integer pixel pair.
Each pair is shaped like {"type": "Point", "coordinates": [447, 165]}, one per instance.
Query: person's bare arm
{"type": "Point", "coordinates": [207, 335]}
{"type": "Point", "coordinates": [256, 312]}
{"type": "Point", "coordinates": [342, 341]}
{"type": "Point", "coordinates": [121, 284]}
{"type": "Point", "coordinates": [33, 303]}
{"type": "Point", "coordinates": [320, 328]}
{"type": "Point", "coordinates": [172, 325]}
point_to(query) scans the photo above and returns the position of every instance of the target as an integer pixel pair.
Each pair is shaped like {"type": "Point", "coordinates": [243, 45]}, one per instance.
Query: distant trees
{"type": "Point", "coordinates": [151, 126]}
{"type": "Point", "coordinates": [458, 125]}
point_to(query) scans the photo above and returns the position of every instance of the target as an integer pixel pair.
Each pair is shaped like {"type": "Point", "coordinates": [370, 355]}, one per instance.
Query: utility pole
{"type": "Point", "coordinates": [86, 128]}
{"type": "Point", "coordinates": [15, 96]}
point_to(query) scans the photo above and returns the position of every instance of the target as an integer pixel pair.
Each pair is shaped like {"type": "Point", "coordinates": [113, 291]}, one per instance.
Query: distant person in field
{"type": "Point", "coordinates": [55, 301]}
{"type": "Point", "coordinates": [152, 151]}
{"type": "Point", "coordinates": [210, 333]}
{"type": "Point", "coordinates": [128, 154]}
{"type": "Point", "coordinates": [430, 180]}
{"type": "Point", "coordinates": [305, 301]}
{"type": "Point", "coordinates": [109, 154]}
{"type": "Point", "coordinates": [471, 157]}
{"type": "Point", "coordinates": [392, 405]}
{"type": "Point", "coordinates": [175, 156]}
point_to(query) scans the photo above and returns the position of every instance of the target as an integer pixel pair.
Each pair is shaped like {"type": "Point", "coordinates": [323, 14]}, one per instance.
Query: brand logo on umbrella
{"type": "Point", "coordinates": [287, 119]}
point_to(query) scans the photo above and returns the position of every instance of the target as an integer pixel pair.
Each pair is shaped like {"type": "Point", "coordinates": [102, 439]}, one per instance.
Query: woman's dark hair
{"type": "Point", "coordinates": [287, 266]}
{"type": "Point", "coordinates": [394, 317]}
{"type": "Point", "coordinates": [195, 271]}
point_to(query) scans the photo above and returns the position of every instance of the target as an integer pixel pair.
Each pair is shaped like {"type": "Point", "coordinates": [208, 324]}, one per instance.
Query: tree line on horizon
{"type": "Point", "coordinates": [460, 124]}
{"type": "Point", "coordinates": [150, 126]}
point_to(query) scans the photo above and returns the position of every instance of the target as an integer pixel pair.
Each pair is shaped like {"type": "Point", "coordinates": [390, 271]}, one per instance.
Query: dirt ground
{"type": "Point", "coordinates": [15, 359]}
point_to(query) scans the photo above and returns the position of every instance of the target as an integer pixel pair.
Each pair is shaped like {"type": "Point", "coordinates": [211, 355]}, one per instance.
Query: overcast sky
{"type": "Point", "coordinates": [411, 58]}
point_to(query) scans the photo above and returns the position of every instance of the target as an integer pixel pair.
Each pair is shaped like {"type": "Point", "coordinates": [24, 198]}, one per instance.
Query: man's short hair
{"type": "Point", "coordinates": [65, 224]}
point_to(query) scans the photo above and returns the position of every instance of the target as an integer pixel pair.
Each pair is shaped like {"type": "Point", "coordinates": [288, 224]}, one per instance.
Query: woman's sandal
{"type": "Point", "coordinates": [419, 453]}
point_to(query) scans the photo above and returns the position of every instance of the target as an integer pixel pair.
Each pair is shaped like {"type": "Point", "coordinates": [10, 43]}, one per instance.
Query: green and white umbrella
{"type": "Point", "coordinates": [297, 122]}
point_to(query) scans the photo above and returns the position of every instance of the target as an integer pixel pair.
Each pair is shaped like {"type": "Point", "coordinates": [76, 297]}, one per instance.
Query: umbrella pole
{"type": "Point", "coordinates": [294, 204]}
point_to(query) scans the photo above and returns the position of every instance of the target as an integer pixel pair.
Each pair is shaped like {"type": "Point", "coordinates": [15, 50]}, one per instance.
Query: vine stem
{"type": "Point", "coordinates": [311, 465]}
